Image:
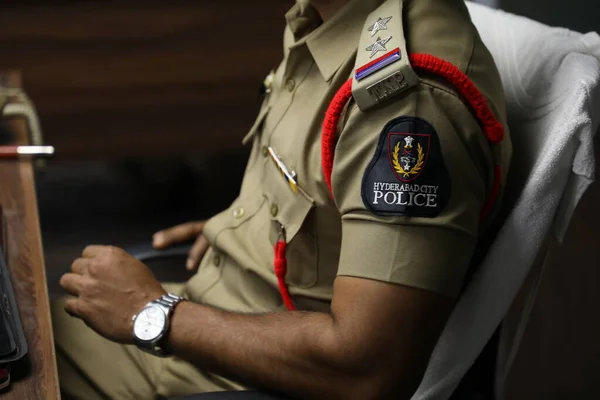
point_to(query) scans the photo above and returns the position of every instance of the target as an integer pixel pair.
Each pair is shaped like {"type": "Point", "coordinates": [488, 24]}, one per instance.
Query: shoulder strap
{"type": "Point", "coordinates": [382, 68]}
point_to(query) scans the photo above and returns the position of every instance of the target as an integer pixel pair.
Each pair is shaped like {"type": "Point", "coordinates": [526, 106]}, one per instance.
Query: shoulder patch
{"type": "Point", "coordinates": [407, 176]}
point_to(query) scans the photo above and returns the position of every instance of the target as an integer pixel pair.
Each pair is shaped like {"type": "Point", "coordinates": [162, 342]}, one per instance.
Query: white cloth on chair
{"type": "Point", "coordinates": [551, 82]}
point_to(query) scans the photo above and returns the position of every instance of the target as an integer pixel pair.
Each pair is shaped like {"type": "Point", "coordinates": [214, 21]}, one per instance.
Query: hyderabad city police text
{"type": "Point", "coordinates": [405, 194]}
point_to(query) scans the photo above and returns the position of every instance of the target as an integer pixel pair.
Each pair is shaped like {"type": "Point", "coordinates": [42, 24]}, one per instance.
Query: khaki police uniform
{"type": "Point", "coordinates": [328, 237]}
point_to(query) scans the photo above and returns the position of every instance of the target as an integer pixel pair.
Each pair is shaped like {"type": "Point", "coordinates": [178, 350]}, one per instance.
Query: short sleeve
{"type": "Point", "coordinates": [410, 180]}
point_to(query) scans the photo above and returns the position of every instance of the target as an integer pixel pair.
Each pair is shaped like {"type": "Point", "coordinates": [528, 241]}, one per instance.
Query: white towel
{"type": "Point", "coordinates": [550, 78]}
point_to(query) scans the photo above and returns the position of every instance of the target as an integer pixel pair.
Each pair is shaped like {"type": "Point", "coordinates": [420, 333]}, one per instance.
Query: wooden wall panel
{"type": "Point", "coordinates": [118, 79]}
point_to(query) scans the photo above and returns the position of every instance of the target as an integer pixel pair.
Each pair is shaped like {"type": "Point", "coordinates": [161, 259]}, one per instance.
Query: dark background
{"type": "Point", "coordinates": [147, 102]}
{"type": "Point", "coordinates": [578, 15]}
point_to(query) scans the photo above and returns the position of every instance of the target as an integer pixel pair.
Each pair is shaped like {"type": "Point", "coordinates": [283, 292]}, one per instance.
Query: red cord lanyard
{"type": "Point", "coordinates": [280, 267]}
{"type": "Point", "coordinates": [492, 128]}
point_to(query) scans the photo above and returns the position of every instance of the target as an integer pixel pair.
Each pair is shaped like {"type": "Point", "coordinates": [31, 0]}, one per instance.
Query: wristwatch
{"type": "Point", "coordinates": [151, 325]}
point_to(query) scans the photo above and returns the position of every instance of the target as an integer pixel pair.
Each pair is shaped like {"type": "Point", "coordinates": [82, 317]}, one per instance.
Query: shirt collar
{"type": "Point", "coordinates": [332, 42]}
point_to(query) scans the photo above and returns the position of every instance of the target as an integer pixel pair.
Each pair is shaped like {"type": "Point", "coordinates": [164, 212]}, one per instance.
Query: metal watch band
{"type": "Point", "coordinates": [168, 300]}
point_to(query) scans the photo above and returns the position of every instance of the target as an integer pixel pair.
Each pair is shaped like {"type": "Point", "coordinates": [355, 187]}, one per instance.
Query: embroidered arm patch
{"type": "Point", "coordinates": [407, 176]}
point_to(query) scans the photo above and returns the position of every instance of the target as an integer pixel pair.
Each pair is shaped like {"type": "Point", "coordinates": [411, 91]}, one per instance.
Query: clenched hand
{"type": "Point", "coordinates": [183, 233]}
{"type": "Point", "coordinates": [110, 287]}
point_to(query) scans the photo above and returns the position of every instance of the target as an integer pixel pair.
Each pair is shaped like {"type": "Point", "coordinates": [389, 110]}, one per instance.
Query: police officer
{"type": "Point", "coordinates": [334, 271]}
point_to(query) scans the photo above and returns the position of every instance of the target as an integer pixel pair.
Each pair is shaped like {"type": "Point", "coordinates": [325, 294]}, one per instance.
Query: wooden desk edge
{"type": "Point", "coordinates": [24, 224]}
{"type": "Point", "coordinates": [43, 304]}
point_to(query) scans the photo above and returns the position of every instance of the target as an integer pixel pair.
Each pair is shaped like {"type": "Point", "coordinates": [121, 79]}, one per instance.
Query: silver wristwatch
{"type": "Point", "coordinates": [151, 325]}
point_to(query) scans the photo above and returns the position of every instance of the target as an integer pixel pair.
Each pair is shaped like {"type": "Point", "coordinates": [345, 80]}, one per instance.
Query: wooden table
{"type": "Point", "coordinates": [35, 376]}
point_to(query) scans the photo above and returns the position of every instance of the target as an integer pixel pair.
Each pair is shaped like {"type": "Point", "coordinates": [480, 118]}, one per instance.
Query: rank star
{"type": "Point", "coordinates": [379, 25]}
{"type": "Point", "coordinates": [378, 46]}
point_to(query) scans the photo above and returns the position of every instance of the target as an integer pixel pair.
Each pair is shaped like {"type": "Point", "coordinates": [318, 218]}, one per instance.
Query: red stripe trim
{"type": "Point", "coordinates": [375, 61]}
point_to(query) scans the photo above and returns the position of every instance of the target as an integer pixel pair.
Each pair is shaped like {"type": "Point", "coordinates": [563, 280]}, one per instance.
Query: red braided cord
{"type": "Point", "coordinates": [330, 124]}
{"type": "Point", "coordinates": [280, 265]}
{"type": "Point", "coordinates": [493, 129]}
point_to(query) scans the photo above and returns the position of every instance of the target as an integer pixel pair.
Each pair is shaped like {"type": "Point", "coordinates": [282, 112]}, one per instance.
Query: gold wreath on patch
{"type": "Point", "coordinates": [415, 169]}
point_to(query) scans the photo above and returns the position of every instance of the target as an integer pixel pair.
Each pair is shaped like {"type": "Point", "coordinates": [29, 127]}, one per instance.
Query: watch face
{"type": "Point", "coordinates": [149, 324]}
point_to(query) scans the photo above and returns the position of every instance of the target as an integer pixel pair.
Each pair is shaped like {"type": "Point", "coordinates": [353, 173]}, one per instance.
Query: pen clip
{"type": "Point", "coordinates": [289, 176]}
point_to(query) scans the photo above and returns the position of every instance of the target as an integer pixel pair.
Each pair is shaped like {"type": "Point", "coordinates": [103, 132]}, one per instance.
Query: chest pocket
{"type": "Point", "coordinates": [296, 212]}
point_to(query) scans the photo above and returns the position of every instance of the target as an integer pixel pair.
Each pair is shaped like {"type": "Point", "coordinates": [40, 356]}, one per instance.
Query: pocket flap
{"type": "Point", "coordinates": [295, 211]}
{"type": "Point", "coordinates": [286, 206]}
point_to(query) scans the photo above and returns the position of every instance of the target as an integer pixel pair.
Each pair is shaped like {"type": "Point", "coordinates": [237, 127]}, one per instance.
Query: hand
{"type": "Point", "coordinates": [110, 287]}
{"type": "Point", "coordinates": [183, 233]}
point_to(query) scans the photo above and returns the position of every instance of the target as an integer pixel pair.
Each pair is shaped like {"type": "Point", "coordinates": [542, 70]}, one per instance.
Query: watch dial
{"type": "Point", "coordinates": [149, 324]}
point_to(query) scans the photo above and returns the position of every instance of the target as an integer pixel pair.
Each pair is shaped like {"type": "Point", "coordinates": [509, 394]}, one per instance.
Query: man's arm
{"type": "Point", "coordinates": [374, 344]}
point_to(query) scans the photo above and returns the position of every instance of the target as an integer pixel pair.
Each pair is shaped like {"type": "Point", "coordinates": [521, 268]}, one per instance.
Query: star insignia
{"type": "Point", "coordinates": [379, 25]}
{"type": "Point", "coordinates": [378, 46]}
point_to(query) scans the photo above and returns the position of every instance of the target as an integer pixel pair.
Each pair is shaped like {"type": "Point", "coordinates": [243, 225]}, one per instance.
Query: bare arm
{"type": "Point", "coordinates": [375, 343]}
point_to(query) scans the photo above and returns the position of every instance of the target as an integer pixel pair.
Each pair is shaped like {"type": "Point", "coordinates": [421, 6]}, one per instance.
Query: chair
{"type": "Point", "coordinates": [554, 112]}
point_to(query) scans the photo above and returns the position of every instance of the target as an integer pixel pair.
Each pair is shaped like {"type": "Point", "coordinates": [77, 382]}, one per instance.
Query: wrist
{"type": "Point", "coordinates": [176, 326]}
{"type": "Point", "coordinates": [151, 326]}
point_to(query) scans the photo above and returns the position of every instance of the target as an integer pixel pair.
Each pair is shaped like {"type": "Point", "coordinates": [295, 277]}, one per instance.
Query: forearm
{"type": "Point", "coordinates": [296, 352]}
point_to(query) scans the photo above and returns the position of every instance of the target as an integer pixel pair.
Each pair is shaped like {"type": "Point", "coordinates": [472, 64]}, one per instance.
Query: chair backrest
{"type": "Point", "coordinates": [551, 82]}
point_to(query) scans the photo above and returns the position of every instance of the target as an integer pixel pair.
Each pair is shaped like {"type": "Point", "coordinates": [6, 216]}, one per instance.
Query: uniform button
{"type": "Point", "coordinates": [239, 212]}
{"type": "Point", "coordinates": [265, 151]}
{"type": "Point", "coordinates": [217, 259]}
{"type": "Point", "coordinates": [290, 85]}
{"type": "Point", "coordinates": [274, 210]}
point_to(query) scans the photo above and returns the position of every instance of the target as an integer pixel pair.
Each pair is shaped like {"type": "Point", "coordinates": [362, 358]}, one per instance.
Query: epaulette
{"type": "Point", "coordinates": [383, 69]}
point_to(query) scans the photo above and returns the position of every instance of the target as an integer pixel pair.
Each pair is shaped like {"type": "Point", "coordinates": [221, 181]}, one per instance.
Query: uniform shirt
{"type": "Point", "coordinates": [341, 236]}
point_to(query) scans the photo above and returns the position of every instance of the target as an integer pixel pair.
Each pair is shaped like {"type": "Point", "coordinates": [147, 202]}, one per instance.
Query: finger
{"type": "Point", "coordinates": [72, 283]}
{"type": "Point", "coordinates": [73, 308]}
{"type": "Point", "coordinates": [80, 266]}
{"type": "Point", "coordinates": [177, 234]}
{"type": "Point", "coordinates": [92, 251]}
{"type": "Point", "coordinates": [196, 253]}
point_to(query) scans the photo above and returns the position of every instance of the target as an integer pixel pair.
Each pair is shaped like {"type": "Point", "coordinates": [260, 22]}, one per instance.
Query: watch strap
{"type": "Point", "coordinates": [167, 302]}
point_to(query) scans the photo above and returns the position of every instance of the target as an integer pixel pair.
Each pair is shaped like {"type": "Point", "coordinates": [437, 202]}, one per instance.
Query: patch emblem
{"type": "Point", "coordinates": [407, 176]}
{"type": "Point", "coordinates": [409, 154]}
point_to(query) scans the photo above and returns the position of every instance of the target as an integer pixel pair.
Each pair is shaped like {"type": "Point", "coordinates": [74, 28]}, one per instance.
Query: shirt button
{"type": "Point", "coordinates": [217, 259]}
{"type": "Point", "coordinates": [290, 85]}
{"type": "Point", "coordinates": [274, 210]}
{"type": "Point", "coordinates": [265, 151]}
{"type": "Point", "coordinates": [239, 213]}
